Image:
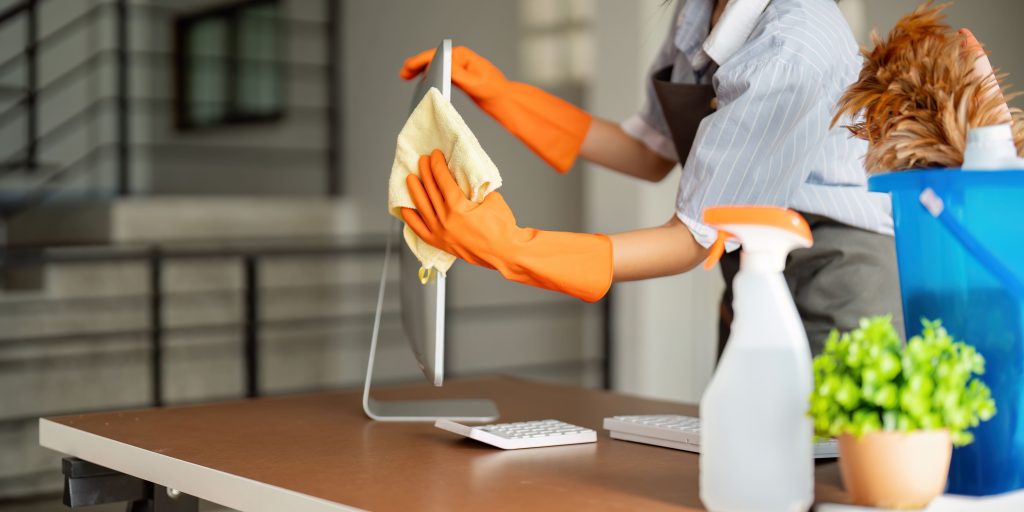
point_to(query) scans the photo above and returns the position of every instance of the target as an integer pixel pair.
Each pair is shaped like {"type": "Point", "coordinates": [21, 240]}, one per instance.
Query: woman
{"type": "Point", "coordinates": [741, 94]}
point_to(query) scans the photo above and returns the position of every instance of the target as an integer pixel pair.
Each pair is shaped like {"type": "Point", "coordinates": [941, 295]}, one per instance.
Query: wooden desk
{"type": "Point", "coordinates": [320, 453]}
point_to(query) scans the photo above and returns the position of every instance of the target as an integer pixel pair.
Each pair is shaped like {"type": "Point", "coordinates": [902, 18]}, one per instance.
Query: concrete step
{"type": "Point", "coordinates": [96, 298]}
{"type": "Point", "coordinates": [188, 218]}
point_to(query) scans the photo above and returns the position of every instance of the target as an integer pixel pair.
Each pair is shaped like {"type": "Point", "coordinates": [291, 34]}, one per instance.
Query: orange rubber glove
{"type": "Point", "coordinates": [486, 234]}
{"type": "Point", "coordinates": [552, 127]}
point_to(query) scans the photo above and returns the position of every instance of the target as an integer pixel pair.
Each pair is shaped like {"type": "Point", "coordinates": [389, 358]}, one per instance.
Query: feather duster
{"type": "Point", "coordinates": [919, 93]}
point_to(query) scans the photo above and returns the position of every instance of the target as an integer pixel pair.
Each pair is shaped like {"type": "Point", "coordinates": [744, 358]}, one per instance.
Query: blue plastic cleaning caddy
{"type": "Point", "coordinates": [960, 246]}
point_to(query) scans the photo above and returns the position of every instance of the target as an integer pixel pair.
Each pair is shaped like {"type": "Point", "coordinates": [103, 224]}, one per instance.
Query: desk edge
{"type": "Point", "coordinates": [210, 484]}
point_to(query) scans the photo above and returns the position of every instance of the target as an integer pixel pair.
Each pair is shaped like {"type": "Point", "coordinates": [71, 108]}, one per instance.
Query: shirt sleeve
{"type": "Point", "coordinates": [754, 150]}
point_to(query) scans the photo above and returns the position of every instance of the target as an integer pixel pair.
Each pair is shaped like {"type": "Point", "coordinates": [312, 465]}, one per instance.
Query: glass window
{"type": "Point", "coordinates": [228, 65]}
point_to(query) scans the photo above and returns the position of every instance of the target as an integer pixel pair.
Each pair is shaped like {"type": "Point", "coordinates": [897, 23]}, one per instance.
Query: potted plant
{"type": "Point", "coordinates": [897, 410]}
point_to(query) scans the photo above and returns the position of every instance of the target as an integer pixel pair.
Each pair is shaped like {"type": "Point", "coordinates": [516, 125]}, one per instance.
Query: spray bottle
{"type": "Point", "coordinates": [756, 438]}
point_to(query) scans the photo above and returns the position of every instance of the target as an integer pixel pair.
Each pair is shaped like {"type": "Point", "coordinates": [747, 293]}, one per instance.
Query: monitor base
{"type": "Point", "coordinates": [431, 410]}
{"type": "Point", "coordinates": [415, 410]}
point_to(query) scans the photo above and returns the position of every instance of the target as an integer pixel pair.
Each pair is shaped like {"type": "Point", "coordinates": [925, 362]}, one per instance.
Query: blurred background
{"type": "Point", "coordinates": [193, 202]}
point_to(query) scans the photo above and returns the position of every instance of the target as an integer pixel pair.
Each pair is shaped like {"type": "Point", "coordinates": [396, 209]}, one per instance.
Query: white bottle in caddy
{"type": "Point", "coordinates": [991, 148]}
{"type": "Point", "coordinates": [757, 440]}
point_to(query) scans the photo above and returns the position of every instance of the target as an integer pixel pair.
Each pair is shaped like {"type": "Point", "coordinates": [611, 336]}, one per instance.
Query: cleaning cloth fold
{"type": "Point", "coordinates": [435, 124]}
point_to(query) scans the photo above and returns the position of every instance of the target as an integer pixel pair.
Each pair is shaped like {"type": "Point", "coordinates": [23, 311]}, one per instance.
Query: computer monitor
{"type": "Point", "coordinates": [423, 303]}
{"type": "Point", "coordinates": [423, 308]}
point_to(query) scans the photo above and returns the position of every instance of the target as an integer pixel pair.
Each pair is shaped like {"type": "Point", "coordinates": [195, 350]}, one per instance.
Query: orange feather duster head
{"type": "Point", "coordinates": [918, 94]}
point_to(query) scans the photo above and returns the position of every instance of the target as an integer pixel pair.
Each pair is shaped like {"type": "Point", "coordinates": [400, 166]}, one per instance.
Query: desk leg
{"type": "Point", "coordinates": [87, 484]}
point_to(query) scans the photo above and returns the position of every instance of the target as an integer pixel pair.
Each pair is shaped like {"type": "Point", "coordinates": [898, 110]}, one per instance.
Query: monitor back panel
{"type": "Point", "coordinates": [423, 305]}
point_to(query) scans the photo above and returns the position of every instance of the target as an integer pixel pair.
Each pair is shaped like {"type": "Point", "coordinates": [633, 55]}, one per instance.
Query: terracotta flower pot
{"type": "Point", "coordinates": [896, 470]}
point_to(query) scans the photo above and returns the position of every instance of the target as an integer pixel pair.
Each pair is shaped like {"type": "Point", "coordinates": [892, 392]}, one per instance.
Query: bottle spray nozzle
{"type": "Point", "coordinates": [767, 229]}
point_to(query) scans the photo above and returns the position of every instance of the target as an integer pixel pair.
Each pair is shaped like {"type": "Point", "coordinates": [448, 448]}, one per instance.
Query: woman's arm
{"type": "Point", "coordinates": [608, 145]}
{"type": "Point", "coordinates": [579, 264]}
{"type": "Point", "coordinates": [655, 252]}
{"type": "Point", "coordinates": [550, 126]}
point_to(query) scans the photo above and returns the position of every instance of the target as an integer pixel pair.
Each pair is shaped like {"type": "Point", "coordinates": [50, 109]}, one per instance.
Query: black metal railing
{"type": "Point", "coordinates": [26, 10]}
{"type": "Point", "coordinates": [30, 98]}
{"type": "Point", "coordinates": [124, 182]}
{"type": "Point", "coordinates": [251, 257]}
{"type": "Point", "coordinates": [156, 258]}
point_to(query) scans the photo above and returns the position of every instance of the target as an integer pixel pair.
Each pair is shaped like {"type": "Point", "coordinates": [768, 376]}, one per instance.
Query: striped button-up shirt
{"type": "Point", "coordinates": [778, 68]}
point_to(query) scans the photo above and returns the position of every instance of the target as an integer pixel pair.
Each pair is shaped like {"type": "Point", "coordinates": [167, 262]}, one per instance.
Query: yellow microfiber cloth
{"type": "Point", "coordinates": [435, 124]}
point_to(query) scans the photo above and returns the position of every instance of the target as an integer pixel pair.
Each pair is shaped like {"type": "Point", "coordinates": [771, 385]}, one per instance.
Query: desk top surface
{"type": "Point", "coordinates": [319, 452]}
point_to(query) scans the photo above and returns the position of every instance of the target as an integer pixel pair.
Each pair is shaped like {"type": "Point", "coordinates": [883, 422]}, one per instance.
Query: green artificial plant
{"type": "Point", "coordinates": [866, 380]}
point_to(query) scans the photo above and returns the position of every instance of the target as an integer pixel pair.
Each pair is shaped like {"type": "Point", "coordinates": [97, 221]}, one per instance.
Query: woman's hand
{"type": "Point", "coordinates": [475, 75]}
{"type": "Point", "coordinates": [553, 128]}
{"type": "Point", "coordinates": [486, 234]}
{"type": "Point", "coordinates": [444, 218]}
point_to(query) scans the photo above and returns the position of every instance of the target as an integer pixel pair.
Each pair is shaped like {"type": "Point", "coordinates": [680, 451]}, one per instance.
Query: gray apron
{"type": "Point", "coordinates": [848, 274]}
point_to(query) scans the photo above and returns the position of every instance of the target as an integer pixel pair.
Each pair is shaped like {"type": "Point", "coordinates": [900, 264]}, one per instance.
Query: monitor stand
{"type": "Point", "coordinates": [415, 410]}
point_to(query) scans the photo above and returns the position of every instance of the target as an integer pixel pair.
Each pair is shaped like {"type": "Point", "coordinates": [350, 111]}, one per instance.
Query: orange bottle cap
{"type": "Point", "coordinates": [772, 216]}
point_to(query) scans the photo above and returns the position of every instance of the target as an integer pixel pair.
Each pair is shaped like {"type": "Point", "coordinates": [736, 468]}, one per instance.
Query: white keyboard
{"type": "Point", "coordinates": [680, 433]}
{"type": "Point", "coordinates": [524, 434]}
